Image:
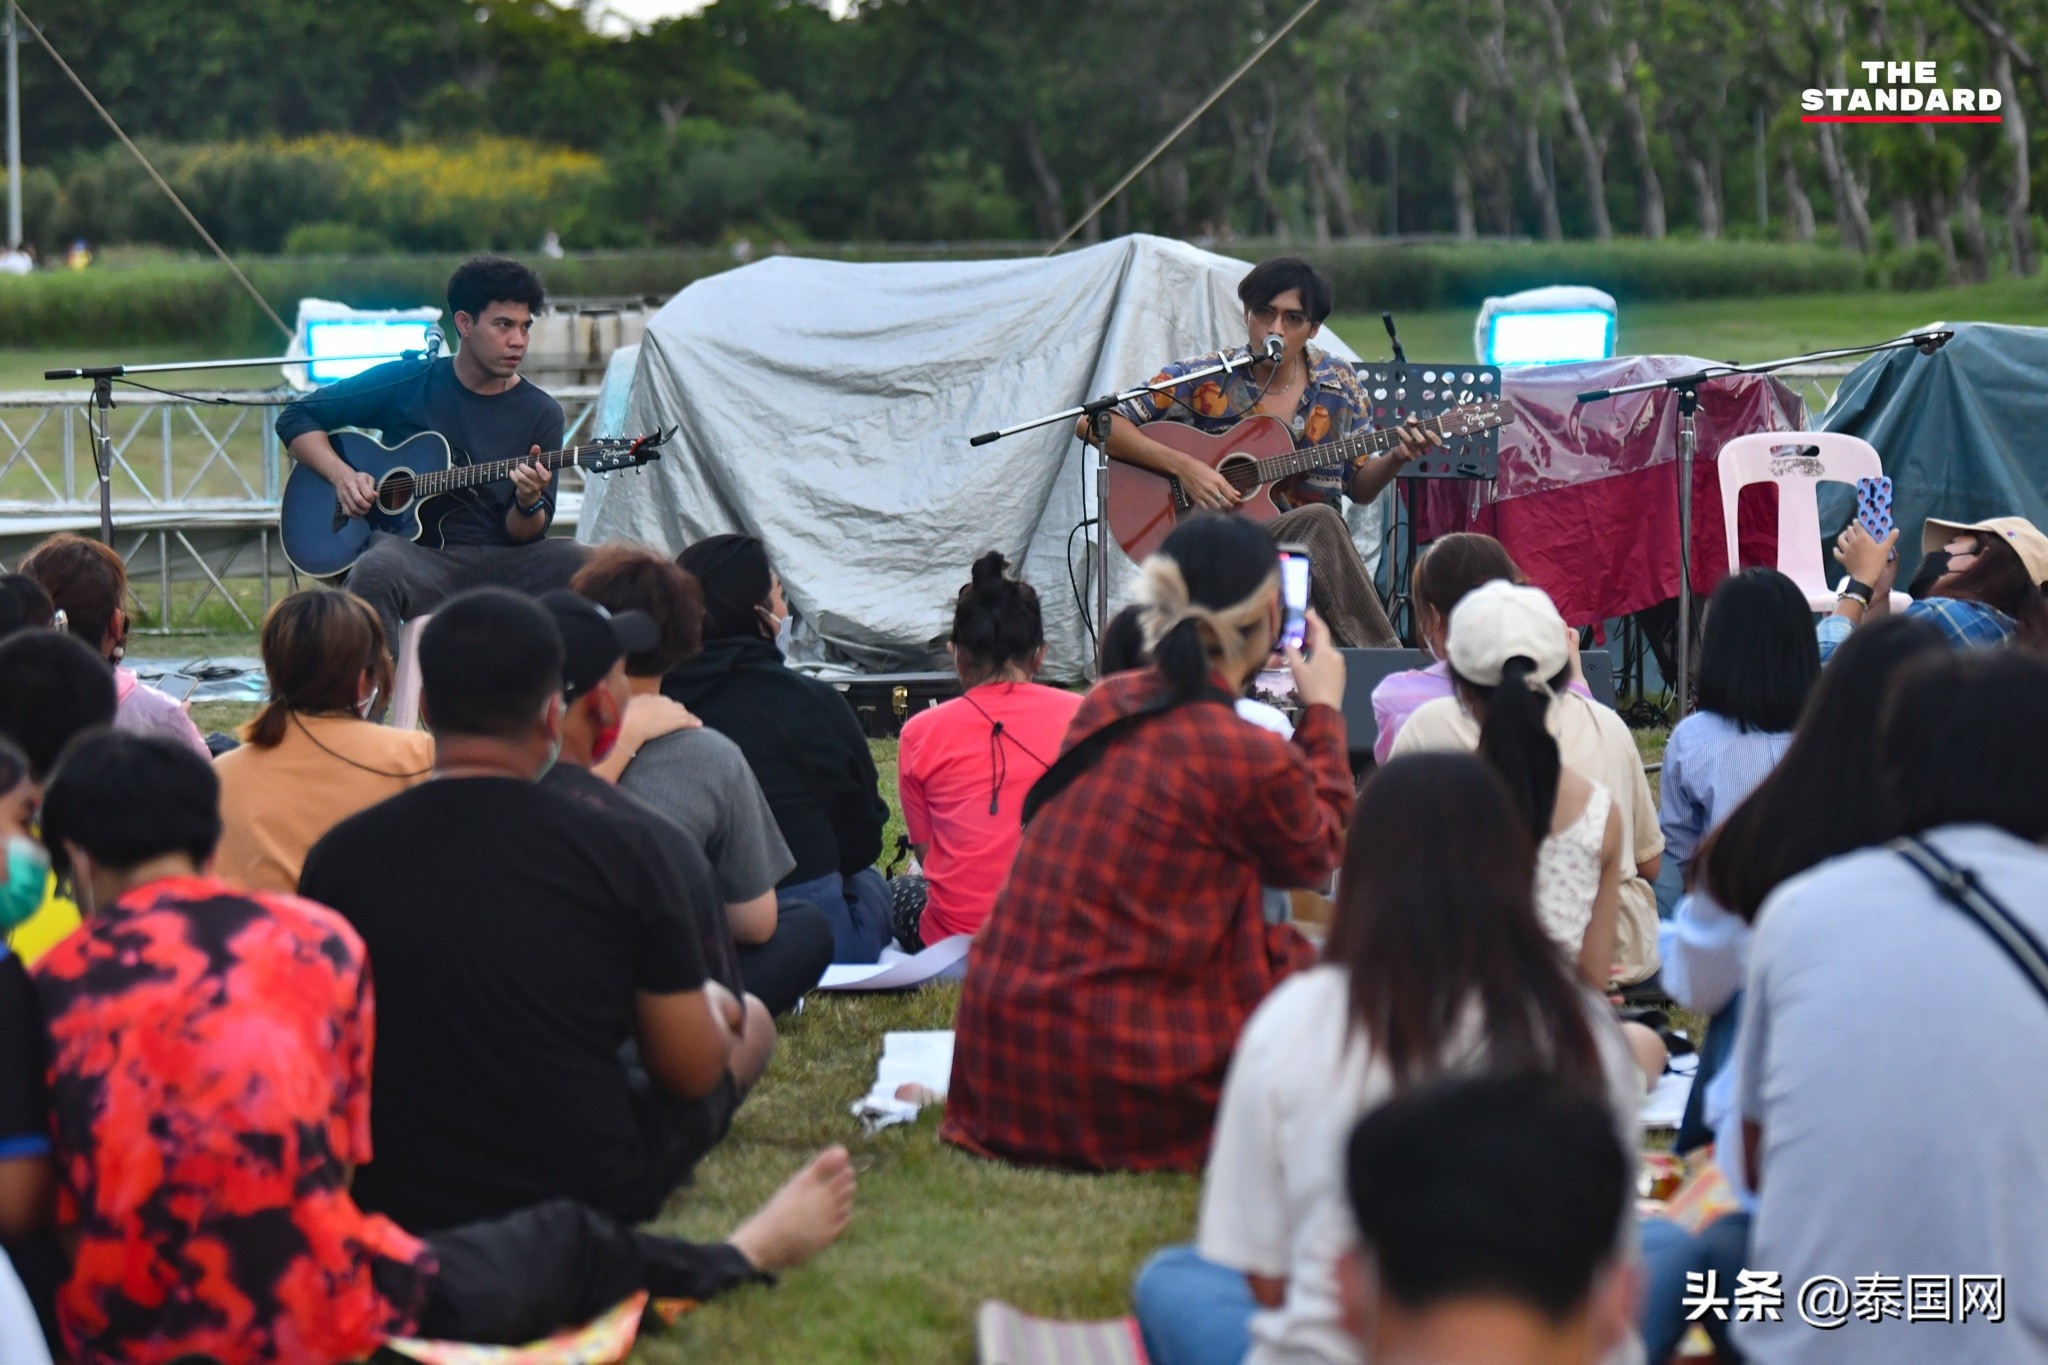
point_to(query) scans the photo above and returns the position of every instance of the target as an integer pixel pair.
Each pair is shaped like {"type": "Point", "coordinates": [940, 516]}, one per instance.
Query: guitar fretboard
{"type": "Point", "coordinates": [470, 475]}
{"type": "Point", "coordinates": [1344, 450]}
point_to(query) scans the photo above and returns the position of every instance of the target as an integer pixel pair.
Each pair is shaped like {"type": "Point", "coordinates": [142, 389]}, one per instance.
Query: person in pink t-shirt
{"type": "Point", "coordinates": [1452, 566]}
{"type": "Point", "coordinates": [964, 766]}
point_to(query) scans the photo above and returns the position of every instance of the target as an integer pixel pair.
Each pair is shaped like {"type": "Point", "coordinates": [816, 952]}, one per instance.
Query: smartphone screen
{"type": "Point", "coordinates": [1293, 595]}
{"type": "Point", "coordinates": [177, 686]}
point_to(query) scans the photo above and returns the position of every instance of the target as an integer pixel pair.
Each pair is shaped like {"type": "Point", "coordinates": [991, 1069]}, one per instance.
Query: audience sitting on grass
{"type": "Point", "coordinates": [26, 1179]}
{"type": "Point", "coordinates": [594, 699]}
{"type": "Point", "coordinates": [24, 604]}
{"type": "Point", "coordinates": [88, 582]}
{"type": "Point", "coordinates": [1825, 798]}
{"type": "Point", "coordinates": [314, 755]}
{"type": "Point", "coordinates": [204, 1181]}
{"type": "Point", "coordinates": [963, 766]}
{"type": "Point", "coordinates": [1757, 663]}
{"type": "Point", "coordinates": [1508, 655]}
{"type": "Point", "coordinates": [1505, 622]}
{"type": "Point", "coordinates": [1450, 567]}
{"type": "Point", "coordinates": [521, 939]}
{"type": "Point", "coordinates": [1894, 1046]}
{"type": "Point", "coordinates": [1436, 963]}
{"type": "Point", "coordinates": [1125, 952]}
{"type": "Point", "coordinates": [1979, 583]}
{"type": "Point", "coordinates": [52, 687]}
{"type": "Point", "coordinates": [1488, 1212]}
{"type": "Point", "coordinates": [800, 736]}
{"type": "Point", "coordinates": [699, 778]}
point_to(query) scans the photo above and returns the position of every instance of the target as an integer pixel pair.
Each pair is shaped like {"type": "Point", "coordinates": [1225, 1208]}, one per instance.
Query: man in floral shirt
{"type": "Point", "coordinates": [1320, 400]}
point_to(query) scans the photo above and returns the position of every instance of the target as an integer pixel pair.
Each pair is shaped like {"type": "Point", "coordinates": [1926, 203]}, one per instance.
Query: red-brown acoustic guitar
{"type": "Point", "coordinates": [1254, 455]}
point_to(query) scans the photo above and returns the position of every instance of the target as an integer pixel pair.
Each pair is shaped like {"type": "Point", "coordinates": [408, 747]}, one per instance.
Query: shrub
{"type": "Point", "coordinates": [335, 239]}
{"type": "Point", "coordinates": [1923, 267]}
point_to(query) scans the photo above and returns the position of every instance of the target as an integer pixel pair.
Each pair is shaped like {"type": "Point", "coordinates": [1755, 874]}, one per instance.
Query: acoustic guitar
{"type": "Point", "coordinates": [321, 540]}
{"type": "Point", "coordinates": [1254, 455]}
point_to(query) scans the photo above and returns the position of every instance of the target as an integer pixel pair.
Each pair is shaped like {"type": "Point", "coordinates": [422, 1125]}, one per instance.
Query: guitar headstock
{"type": "Point", "coordinates": [1470, 418]}
{"type": "Point", "coordinates": [610, 454]}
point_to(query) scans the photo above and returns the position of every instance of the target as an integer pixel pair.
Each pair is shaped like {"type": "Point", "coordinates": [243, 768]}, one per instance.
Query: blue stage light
{"type": "Point", "coordinates": [1546, 327]}
{"type": "Point", "coordinates": [340, 341]}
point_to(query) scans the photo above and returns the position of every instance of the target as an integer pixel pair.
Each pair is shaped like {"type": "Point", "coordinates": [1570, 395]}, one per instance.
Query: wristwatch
{"type": "Point", "coordinates": [532, 511]}
{"type": "Point", "coordinates": [1854, 591]}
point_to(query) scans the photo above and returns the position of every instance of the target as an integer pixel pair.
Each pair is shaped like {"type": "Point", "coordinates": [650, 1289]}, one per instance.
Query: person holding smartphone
{"type": "Point", "coordinates": [1128, 948]}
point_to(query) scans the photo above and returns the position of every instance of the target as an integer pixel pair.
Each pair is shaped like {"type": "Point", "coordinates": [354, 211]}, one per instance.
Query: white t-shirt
{"type": "Point", "coordinates": [1897, 1061]}
{"type": "Point", "coordinates": [1273, 1198]}
{"type": "Point", "coordinates": [1595, 743]}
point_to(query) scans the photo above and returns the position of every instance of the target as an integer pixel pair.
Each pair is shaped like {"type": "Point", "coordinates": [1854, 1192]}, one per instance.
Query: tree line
{"type": "Point", "coordinates": [996, 119]}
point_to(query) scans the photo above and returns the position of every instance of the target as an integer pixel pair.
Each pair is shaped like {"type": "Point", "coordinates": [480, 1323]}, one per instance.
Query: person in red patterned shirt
{"type": "Point", "coordinates": [1105, 992]}
{"type": "Point", "coordinates": [209, 1086]}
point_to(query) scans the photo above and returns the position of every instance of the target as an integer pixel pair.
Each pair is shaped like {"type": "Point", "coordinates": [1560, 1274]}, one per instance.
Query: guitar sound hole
{"type": "Point", "coordinates": [395, 492]}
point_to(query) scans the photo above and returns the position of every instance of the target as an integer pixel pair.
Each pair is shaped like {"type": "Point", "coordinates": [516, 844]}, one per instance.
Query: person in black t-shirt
{"type": "Point", "coordinates": [595, 644]}
{"type": "Point", "coordinates": [477, 400]}
{"type": "Point", "coordinates": [520, 940]}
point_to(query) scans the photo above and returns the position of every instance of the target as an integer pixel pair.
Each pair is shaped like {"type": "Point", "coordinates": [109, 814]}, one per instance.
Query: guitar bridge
{"type": "Point", "coordinates": [340, 517]}
{"type": "Point", "coordinates": [1180, 497]}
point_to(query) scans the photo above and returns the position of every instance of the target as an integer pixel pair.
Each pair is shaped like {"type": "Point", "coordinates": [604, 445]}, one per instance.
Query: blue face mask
{"type": "Point", "coordinates": [28, 872]}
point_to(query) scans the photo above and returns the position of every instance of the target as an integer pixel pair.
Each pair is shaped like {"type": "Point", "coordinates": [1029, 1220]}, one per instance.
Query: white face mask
{"type": "Point", "coordinates": [782, 637]}
{"type": "Point", "coordinates": [367, 707]}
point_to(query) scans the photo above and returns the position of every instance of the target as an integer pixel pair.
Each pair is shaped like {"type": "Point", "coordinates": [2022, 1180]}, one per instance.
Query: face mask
{"type": "Point", "coordinates": [782, 637]}
{"type": "Point", "coordinates": [1933, 566]}
{"type": "Point", "coordinates": [367, 707]}
{"type": "Point", "coordinates": [28, 871]}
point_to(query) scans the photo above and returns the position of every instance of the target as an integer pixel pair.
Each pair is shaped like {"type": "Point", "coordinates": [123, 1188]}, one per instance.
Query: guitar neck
{"type": "Point", "coordinates": [470, 475]}
{"type": "Point", "coordinates": [1345, 450]}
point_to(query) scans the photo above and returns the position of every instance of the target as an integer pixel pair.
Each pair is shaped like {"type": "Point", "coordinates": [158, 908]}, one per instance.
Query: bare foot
{"type": "Point", "coordinates": [803, 1217]}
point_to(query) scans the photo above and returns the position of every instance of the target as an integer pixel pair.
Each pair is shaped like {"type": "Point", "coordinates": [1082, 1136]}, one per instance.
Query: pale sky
{"type": "Point", "coordinates": [636, 12]}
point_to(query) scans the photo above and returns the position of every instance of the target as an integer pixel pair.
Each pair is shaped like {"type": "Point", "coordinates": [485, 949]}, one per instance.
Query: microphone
{"type": "Point", "coordinates": [1400, 356]}
{"type": "Point", "coordinates": [1275, 348]}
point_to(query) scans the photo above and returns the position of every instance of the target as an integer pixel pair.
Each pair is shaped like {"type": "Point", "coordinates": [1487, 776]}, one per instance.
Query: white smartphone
{"type": "Point", "coordinates": [177, 686]}
{"type": "Point", "coordinates": [1294, 595]}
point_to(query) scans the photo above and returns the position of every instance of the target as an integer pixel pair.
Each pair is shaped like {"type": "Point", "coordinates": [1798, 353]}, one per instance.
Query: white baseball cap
{"type": "Point", "coordinates": [1499, 621]}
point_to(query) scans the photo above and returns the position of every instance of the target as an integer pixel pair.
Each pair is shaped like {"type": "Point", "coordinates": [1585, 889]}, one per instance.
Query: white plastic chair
{"type": "Point", "coordinates": [1796, 461]}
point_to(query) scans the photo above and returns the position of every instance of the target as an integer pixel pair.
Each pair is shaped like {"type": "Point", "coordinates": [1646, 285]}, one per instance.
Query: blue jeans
{"type": "Point", "coordinates": [1669, 1251]}
{"type": "Point", "coordinates": [1192, 1311]}
{"type": "Point", "coordinates": [857, 906]}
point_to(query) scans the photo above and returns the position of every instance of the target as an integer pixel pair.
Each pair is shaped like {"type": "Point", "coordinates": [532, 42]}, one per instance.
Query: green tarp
{"type": "Point", "coordinates": [1963, 433]}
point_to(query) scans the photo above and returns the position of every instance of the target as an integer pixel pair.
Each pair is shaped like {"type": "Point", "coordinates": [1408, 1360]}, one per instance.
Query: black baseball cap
{"type": "Point", "coordinates": [594, 639]}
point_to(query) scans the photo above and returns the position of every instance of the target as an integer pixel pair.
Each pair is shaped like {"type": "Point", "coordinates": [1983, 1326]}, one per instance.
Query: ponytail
{"type": "Point", "coordinates": [1519, 746]}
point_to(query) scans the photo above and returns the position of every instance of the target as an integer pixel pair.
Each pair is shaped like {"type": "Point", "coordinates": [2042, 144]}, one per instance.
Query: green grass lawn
{"type": "Point", "coordinates": [1735, 329]}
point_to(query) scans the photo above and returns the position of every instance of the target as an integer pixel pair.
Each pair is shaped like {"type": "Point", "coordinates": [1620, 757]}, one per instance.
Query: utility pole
{"type": "Point", "coordinates": [13, 127]}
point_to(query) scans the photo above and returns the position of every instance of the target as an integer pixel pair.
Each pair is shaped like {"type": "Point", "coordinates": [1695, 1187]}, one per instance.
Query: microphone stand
{"type": "Point", "coordinates": [1097, 411]}
{"type": "Point", "coordinates": [1687, 388]}
{"type": "Point", "coordinates": [99, 419]}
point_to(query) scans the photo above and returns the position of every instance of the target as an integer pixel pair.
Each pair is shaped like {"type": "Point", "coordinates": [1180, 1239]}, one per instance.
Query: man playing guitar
{"type": "Point", "coordinates": [1320, 400]}
{"type": "Point", "coordinates": [494, 533]}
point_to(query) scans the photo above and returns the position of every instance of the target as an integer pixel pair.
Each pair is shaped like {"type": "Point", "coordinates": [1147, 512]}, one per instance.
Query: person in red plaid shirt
{"type": "Point", "coordinates": [1106, 991]}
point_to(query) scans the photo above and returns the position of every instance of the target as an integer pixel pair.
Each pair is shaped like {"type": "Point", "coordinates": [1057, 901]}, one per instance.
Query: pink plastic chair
{"type": "Point", "coordinates": [1796, 461]}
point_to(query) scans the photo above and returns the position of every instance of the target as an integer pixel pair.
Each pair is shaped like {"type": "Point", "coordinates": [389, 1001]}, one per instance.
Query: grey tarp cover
{"type": "Point", "coordinates": [1963, 433]}
{"type": "Point", "coordinates": [825, 407]}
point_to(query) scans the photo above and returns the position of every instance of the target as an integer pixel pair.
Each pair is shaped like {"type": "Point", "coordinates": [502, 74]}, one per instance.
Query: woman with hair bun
{"type": "Point", "coordinates": [1127, 949]}
{"type": "Point", "coordinates": [964, 766]}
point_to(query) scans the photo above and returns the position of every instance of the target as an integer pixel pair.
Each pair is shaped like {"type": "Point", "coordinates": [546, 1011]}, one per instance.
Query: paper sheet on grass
{"type": "Point", "coordinates": [897, 970]}
{"type": "Point", "coordinates": [1665, 1106]}
{"type": "Point", "coordinates": [601, 1341]}
{"type": "Point", "coordinates": [914, 1071]}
